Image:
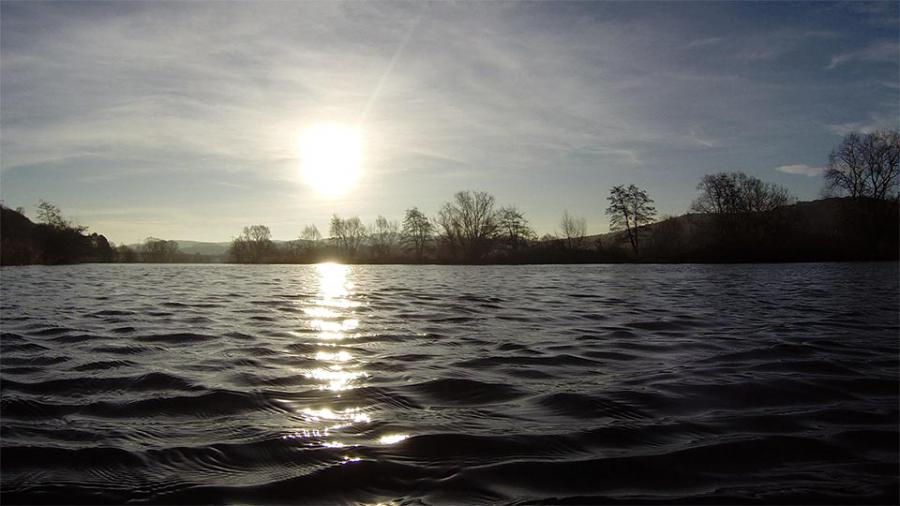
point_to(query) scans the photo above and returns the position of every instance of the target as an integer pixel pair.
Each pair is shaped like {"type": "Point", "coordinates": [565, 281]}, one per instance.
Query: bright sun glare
{"type": "Point", "coordinates": [331, 156]}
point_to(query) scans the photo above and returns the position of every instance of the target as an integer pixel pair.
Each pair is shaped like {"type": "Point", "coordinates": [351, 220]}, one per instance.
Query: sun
{"type": "Point", "coordinates": [331, 158]}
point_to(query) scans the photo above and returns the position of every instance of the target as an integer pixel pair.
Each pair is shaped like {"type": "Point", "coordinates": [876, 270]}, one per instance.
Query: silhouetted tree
{"type": "Point", "coordinates": [51, 215]}
{"type": "Point", "coordinates": [741, 214]}
{"type": "Point", "coordinates": [736, 193]}
{"type": "Point", "coordinates": [574, 230]}
{"type": "Point", "coordinates": [103, 252]}
{"type": "Point", "coordinates": [348, 233]}
{"type": "Point", "coordinates": [418, 231]}
{"type": "Point", "coordinates": [865, 166]}
{"type": "Point", "coordinates": [159, 251]}
{"type": "Point", "coordinates": [302, 250]}
{"type": "Point", "coordinates": [512, 228]}
{"type": "Point", "coordinates": [125, 254]}
{"type": "Point", "coordinates": [254, 245]}
{"type": "Point", "coordinates": [630, 209]}
{"type": "Point", "coordinates": [384, 236]}
{"type": "Point", "coordinates": [468, 223]}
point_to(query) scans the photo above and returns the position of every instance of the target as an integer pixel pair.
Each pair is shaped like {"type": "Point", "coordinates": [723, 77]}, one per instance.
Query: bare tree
{"type": "Point", "coordinates": [348, 233]}
{"type": "Point", "coordinates": [418, 231]}
{"type": "Point", "coordinates": [159, 251]}
{"type": "Point", "coordinates": [735, 192]}
{"type": "Point", "coordinates": [756, 196]}
{"type": "Point", "coordinates": [512, 227]}
{"type": "Point", "coordinates": [51, 215]}
{"type": "Point", "coordinates": [573, 230]}
{"type": "Point", "coordinates": [865, 166]}
{"type": "Point", "coordinates": [468, 223]}
{"type": "Point", "coordinates": [311, 233]}
{"type": "Point", "coordinates": [254, 245]}
{"type": "Point", "coordinates": [630, 209]}
{"type": "Point", "coordinates": [258, 233]}
{"type": "Point", "coordinates": [717, 194]}
{"type": "Point", "coordinates": [384, 236]}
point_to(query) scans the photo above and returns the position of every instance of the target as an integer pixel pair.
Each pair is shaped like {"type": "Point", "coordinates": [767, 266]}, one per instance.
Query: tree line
{"type": "Point", "coordinates": [735, 217]}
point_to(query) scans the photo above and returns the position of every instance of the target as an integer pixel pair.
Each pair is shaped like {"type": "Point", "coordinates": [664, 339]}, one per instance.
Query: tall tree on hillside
{"type": "Point", "coordinates": [630, 209]}
{"type": "Point", "coordinates": [573, 231]}
{"type": "Point", "coordinates": [468, 223]}
{"type": "Point", "coordinates": [865, 166]}
{"type": "Point", "coordinates": [418, 231]}
{"type": "Point", "coordinates": [512, 227]}
{"type": "Point", "coordinates": [51, 215]}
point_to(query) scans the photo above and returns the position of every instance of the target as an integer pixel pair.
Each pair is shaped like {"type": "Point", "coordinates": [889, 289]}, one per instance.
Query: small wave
{"type": "Point", "coordinates": [584, 406]}
{"type": "Point", "coordinates": [177, 338]}
{"type": "Point", "coordinates": [81, 385]}
{"type": "Point", "coordinates": [463, 391]}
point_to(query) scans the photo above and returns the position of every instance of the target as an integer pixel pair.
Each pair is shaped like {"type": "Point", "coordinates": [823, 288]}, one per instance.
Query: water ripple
{"type": "Point", "coordinates": [563, 384]}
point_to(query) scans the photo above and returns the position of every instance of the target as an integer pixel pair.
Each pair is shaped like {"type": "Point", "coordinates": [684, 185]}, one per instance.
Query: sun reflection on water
{"type": "Point", "coordinates": [392, 438]}
{"type": "Point", "coordinates": [333, 320]}
{"type": "Point", "coordinates": [340, 356]}
{"type": "Point", "coordinates": [336, 378]}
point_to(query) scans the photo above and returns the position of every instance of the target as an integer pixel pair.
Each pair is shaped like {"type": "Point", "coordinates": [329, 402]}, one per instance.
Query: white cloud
{"type": "Point", "coordinates": [801, 169]}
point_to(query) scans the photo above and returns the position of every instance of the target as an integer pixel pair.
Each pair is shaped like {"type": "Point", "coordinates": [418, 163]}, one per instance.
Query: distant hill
{"type": "Point", "coordinates": [215, 249]}
{"type": "Point", "coordinates": [218, 250]}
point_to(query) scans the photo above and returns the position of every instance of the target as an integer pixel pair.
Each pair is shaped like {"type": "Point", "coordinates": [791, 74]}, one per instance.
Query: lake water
{"type": "Point", "coordinates": [448, 384]}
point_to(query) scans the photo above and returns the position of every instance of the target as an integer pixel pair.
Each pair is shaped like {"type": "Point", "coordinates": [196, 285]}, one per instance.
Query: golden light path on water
{"type": "Point", "coordinates": [334, 320]}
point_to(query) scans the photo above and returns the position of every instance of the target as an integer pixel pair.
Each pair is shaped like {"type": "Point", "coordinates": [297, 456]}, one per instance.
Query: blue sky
{"type": "Point", "coordinates": [181, 119]}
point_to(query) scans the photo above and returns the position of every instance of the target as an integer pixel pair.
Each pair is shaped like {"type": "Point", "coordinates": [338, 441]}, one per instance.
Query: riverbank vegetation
{"type": "Point", "coordinates": [735, 218]}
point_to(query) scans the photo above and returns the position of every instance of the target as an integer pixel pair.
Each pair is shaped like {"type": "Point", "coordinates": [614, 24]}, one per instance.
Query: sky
{"type": "Point", "coordinates": [181, 120]}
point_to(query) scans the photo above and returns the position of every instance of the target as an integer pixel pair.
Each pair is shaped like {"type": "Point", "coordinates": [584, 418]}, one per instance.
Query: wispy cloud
{"type": "Point", "coordinates": [700, 138]}
{"type": "Point", "coordinates": [708, 41]}
{"type": "Point", "coordinates": [882, 119]}
{"type": "Point", "coordinates": [881, 52]}
{"type": "Point", "coordinates": [801, 169]}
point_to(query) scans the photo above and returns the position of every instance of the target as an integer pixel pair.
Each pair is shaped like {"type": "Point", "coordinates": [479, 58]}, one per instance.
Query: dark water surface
{"type": "Point", "coordinates": [334, 384]}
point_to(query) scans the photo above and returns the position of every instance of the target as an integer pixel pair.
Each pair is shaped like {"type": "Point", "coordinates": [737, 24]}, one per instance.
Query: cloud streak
{"type": "Point", "coordinates": [882, 52]}
{"type": "Point", "coordinates": [801, 169]}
